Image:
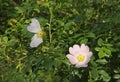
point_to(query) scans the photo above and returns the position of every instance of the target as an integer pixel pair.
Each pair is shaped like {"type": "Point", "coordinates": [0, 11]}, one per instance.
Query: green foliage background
{"type": "Point", "coordinates": [65, 22]}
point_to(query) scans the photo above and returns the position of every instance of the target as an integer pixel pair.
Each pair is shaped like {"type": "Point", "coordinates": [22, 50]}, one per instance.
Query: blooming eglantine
{"type": "Point", "coordinates": [79, 55]}
{"type": "Point", "coordinates": [34, 27]}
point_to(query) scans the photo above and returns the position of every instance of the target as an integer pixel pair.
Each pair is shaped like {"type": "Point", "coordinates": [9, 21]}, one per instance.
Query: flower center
{"type": "Point", "coordinates": [40, 34]}
{"type": "Point", "coordinates": [81, 58]}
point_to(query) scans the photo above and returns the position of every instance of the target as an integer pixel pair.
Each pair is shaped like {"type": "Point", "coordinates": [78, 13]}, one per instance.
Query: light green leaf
{"type": "Point", "coordinates": [5, 39]}
{"type": "Point", "coordinates": [100, 42]}
{"type": "Point", "coordinates": [104, 75]}
{"type": "Point", "coordinates": [117, 76]}
{"type": "Point", "coordinates": [101, 54]}
{"type": "Point", "coordinates": [84, 41]}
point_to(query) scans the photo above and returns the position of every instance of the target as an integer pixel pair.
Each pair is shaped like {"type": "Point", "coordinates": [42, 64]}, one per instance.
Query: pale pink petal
{"type": "Point", "coordinates": [35, 41]}
{"type": "Point", "coordinates": [90, 54]}
{"type": "Point", "coordinates": [75, 50]}
{"type": "Point", "coordinates": [86, 60]}
{"type": "Point", "coordinates": [71, 50]}
{"type": "Point", "coordinates": [72, 59]}
{"type": "Point", "coordinates": [78, 65]}
{"type": "Point", "coordinates": [84, 48]}
{"type": "Point", "coordinates": [76, 46]}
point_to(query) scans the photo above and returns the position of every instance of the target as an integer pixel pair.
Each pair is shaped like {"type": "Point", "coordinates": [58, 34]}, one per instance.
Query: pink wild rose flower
{"type": "Point", "coordinates": [79, 55]}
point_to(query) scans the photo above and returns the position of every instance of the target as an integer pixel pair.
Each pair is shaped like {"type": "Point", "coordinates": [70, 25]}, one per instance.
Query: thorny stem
{"type": "Point", "coordinates": [51, 15]}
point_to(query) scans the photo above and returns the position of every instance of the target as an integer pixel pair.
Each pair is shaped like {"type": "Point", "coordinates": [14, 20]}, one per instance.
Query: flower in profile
{"type": "Point", "coordinates": [79, 55]}
{"type": "Point", "coordinates": [34, 27]}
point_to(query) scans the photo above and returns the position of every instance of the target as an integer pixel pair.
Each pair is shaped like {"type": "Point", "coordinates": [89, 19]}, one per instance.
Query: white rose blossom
{"type": "Point", "coordinates": [34, 27]}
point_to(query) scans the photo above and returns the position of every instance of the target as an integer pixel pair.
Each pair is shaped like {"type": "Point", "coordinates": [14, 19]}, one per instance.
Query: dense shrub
{"type": "Point", "coordinates": [95, 23]}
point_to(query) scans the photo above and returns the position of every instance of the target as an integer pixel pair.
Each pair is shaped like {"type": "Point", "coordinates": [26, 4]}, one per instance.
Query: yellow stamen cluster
{"type": "Point", "coordinates": [81, 58]}
{"type": "Point", "coordinates": [40, 34]}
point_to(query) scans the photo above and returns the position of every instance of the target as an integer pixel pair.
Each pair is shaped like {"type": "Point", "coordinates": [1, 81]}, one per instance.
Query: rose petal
{"type": "Point", "coordinates": [84, 48]}
{"type": "Point", "coordinates": [78, 65]}
{"type": "Point", "coordinates": [76, 46]}
{"type": "Point", "coordinates": [86, 60]}
{"type": "Point", "coordinates": [90, 54]}
{"type": "Point", "coordinates": [35, 41]}
{"type": "Point", "coordinates": [71, 51]}
{"type": "Point", "coordinates": [75, 50]}
{"type": "Point", "coordinates": [34, 26]}
{"type": "Point", "coordinates": [72, 59]}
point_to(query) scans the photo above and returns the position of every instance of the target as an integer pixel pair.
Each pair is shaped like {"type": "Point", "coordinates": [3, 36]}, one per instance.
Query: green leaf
{"type": "Point", "coordinates": [104, 75]}
{"type": "Point", "coordinates": [100, 42]}
{"type": "Point", "coordinates": [5, 39]}
{"type": "Point", "coordinates": [107, 51]}
{"type": "Point", "coordinates": [84, 41]}
{"type": "Point", "coordinates": [116, 76]}
{"type": "Point", "coordinates": [102, 61]}
{"type": "Point", "coordinates": [104, 52]}
{"type": "Point", "coordinates": [94, 74]}
{"type": "Point", "coordinates": [101, 54]}
{"type": "Point", "coordinates": [91, 35]}
{"type": "Point", "coordinates": [97, 49]}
